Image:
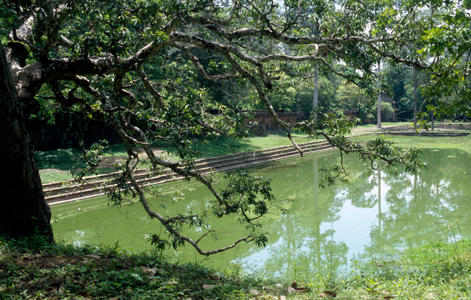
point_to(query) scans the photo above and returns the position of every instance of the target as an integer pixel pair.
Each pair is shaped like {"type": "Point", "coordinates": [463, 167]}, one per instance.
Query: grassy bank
{"type": "Point", "coordinates": [30, 269]}
{"type": "Point", "coordinates": [55, 165]}
{"type": "Point", "coordinates": [426, 142]}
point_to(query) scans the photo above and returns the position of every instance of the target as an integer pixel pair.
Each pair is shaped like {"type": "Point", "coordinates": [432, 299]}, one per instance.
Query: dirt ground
{"type": "Point", "coordinates": [108, 162]}
{"type": "Point", "coordinates": [437, 127]}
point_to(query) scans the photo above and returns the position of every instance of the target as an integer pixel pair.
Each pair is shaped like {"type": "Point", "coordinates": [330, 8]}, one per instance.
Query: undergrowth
{"type": "Point", "coordinates": [32, 269]}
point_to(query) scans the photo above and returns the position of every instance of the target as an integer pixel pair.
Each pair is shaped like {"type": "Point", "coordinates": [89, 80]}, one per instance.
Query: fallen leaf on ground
{"type": "Point", "coordinates": [282, 297]}
{"type": "Point", "coordinates": [93, 256]}
{"type": "Point", "coordinates": [279, 285]}
{"type": "Point", "coordinates": [148, 270]}
{"type": "Point", "coordinates": [328, 294]}
{"type": "Point", "coordinates": [294, 288]}
{"type": "Point", "coordinates": [208, 286]}
{"type": "Point", "coordinates": [61, 290]}
{"type": "Point", "coordinates": [254, 292]}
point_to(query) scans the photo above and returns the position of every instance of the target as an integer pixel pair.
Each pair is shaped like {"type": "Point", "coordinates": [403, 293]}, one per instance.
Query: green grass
{"type": "Point", "coordinates": [426, 142]}
{"type": "Point", "coordinates": [435, 270]}
{"type": "Point", "coordinates": [63, 159]}
{"type": "Point", "coordinates": [54, 165]}
{"type": "Point", "coordinates": [33, 269]}
{"type": "Point", "coordinates": [384, 124]}
{"type": "Point", "coordinates": [48, 176]}
{"type": "Point", "coordinates": [276, 139]}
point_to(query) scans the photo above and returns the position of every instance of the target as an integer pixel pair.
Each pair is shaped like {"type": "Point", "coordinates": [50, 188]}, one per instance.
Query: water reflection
{"type": "Point", "coordinates": [325, 228]}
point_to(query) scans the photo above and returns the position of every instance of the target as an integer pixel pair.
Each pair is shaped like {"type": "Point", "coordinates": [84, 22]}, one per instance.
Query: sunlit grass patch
{"type": "Point", "coordinates": [35, 269]}
{"type": "Point", "coordinates": [425, 142]}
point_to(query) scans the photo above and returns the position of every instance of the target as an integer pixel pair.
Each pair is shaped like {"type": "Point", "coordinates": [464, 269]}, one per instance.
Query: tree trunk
{"type": "Point", "coordinates": [316, 92]}
{"type": "Point", "coordinates": [378, 111]}
{"type": "Point", "coordinates": [23, 212]}
{"type": "Point", "coordinates": [414, 70]}
{"type": "Point", "coordinates": [433, 120]}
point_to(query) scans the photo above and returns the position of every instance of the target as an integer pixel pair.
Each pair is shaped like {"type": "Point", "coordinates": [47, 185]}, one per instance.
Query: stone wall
{"type": "Point", "coordinates": [266, 123]}
{"type": "Point", "coordinates": [64, 133]}
{"type": "Point", "coordinates": [352, 113]}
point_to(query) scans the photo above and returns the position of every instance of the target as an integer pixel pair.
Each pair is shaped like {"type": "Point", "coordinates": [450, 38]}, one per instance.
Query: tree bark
{"type": "Point", "coordinates": [414, 70]}
{"type": "Point", "coordinates": [315, 99]}
{"type": "Point", "coordinates": [433, 120]}
{"type": "Point", "coordinates": [23, 212]}
{"type": "Point", "coordinates": [378, 111]}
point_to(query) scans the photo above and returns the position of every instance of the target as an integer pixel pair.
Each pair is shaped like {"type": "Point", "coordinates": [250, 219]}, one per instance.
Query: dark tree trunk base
{"type": "Point", "coordinates": [23, 210]}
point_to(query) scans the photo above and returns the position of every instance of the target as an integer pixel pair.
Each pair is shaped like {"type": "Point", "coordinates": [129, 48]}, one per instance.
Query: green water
{"type": "Point", "coordinates": [325, 229]}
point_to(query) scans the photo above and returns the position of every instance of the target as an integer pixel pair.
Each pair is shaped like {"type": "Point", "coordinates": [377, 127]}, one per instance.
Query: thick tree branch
{"type": "Point", "coordinates": [148, 85]}
{"type": "Point", "coordinates": [199, 67]}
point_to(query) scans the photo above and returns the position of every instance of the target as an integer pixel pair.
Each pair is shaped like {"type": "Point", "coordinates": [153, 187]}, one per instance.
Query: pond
{"type": "Point", "coordinates": [325, 229]}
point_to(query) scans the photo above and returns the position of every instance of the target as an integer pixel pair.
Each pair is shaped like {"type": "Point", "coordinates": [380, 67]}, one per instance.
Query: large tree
{"type": "Point", "coordinates": [24, 211]}
{"type": "Point", "coordinates": [137, 66]}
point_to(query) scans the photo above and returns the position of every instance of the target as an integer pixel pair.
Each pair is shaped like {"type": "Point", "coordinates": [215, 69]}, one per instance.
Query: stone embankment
{"type": "Point", "coordinates": [451, 130]}
{"type": "Point", "coordinates": [67, 191]}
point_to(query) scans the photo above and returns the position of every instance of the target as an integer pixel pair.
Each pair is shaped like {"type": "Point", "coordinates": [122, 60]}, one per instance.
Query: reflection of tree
{"type": "Point", "coordinates": [417, 204]}
{"type": "Point", "coordinates": [411, 204]}
{"type": "Point", "coordinates": [380, 215]}
{"type": "Point", "coordinates": [297, 243]}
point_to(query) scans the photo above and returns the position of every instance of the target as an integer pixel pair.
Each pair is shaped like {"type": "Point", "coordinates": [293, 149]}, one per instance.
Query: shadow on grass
{"type": "Point", "coordinates": [64, 159]}
{"type": "Point", "coordinates": [61, 159]}
{"type": "Point", "coordinates": [225, 146]}
{"type": "Point", "coordinates": [54, 165]}
{"type": "Point", "coordinates": [108, 272]}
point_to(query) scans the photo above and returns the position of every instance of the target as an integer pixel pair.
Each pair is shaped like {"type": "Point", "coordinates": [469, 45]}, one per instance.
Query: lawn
{"type": "Point", "coordinates": [55, 165]}
{"type": "Point", "coordinates": [426, 142]}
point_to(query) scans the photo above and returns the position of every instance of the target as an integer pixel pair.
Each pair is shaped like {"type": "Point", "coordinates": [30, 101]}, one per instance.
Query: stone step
{"type": "Point", "coordinates": [75, 192]}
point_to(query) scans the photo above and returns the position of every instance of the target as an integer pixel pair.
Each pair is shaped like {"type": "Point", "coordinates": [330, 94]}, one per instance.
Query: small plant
{"type": "Point", "coordinates": [32, 268]}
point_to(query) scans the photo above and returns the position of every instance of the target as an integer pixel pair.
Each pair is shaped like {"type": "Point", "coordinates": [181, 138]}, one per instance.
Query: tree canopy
{"type": "Point", "coordinates": [168, 71]}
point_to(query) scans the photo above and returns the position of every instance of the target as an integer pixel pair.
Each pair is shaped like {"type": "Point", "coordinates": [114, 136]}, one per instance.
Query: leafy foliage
{"type": "Point", "coordinates": [169, 72]}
